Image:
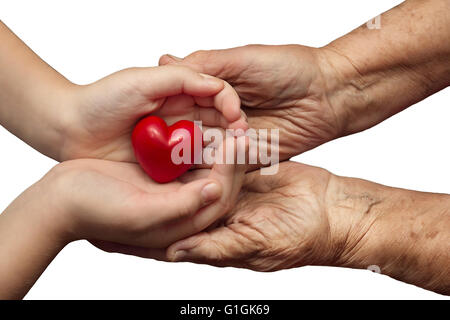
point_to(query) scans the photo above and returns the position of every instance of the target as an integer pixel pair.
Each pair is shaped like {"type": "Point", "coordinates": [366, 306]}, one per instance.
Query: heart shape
{"type": "Point", "coordinates": [165, 153]}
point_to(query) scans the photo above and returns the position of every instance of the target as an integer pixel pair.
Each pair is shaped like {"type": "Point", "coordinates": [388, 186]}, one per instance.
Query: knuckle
{"type": "Point", "coordinates": [184, 206]}
{"type": "Point", "coordinates": [213, 251]}
{"type": "Point", "coordinates": [199, 54]}
{"type": "Point", "coordinates": [184, 210]}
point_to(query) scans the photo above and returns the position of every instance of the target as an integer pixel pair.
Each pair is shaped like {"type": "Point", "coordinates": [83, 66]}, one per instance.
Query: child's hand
{"type": "Point", "coordinates": [104, 113]}
{"type": "Point", "coordinates": [107, 202]}
{"type": "Point", "coordinates": [67, 121]}
{"type": "Point", "coordinates": [113, 201]}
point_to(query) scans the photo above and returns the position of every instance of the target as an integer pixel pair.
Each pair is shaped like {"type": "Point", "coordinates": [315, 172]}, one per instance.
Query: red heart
{"type": "Point", "coordinates": [153, 142]}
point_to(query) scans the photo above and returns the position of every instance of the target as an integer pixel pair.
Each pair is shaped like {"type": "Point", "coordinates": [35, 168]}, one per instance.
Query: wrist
{"type": "Point", "coordinates": [345, 88]}
{"type": "Point", "coordinates": [401, 233]}
{"type": "Point", "coordinates": [55, 213]}
{"type": "Point", "coordinates": [373, 74]}
{"type": "Point", "coordinates": [353, 208]}
{"type": "Point", "coordinates": [62, 118]}
{"type": "Point", "coordinates": [30, 238]}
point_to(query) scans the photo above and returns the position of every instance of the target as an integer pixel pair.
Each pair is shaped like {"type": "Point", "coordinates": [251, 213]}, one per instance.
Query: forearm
{"type": "Point", "coordinates": [32, 95]}
{"type": "Point", "coordinates": [379, 72]}
{"type": "Point", "coordinates": [28, 243]}
{"type": "Point", "coordinates": [405, 233]}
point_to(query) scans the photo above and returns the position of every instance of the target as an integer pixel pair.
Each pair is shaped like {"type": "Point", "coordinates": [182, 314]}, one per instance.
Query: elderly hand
{"type": "Point", "coordinates": [281, 87]}
{"type": "Point", "coordinates": [280, 221]}
{"type": "Point", "coordinates": [307, 216]}
{"type": "Point", "coordinates": [107, 203]}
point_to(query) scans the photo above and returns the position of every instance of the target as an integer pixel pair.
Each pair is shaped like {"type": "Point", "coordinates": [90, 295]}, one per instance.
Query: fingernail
{"type": "Point", "coordinates": [211, 192]}
{"type": "Point", "coordinates": [173, 57]}
{"type": "Point", "coordinates": [179, 255]}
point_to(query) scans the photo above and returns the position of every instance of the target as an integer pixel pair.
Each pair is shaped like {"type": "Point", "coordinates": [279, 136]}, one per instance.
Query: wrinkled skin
{"type": "Point", "coordinates": [130, 187]}
{"type": "Point", "coordinates": [279, 221]}
{"type": "Point", "coordinates": [281, 87]}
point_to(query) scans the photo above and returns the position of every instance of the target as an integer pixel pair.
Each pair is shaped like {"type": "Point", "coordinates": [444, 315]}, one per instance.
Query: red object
{"type": "Point", "coordinates": [154, 142]}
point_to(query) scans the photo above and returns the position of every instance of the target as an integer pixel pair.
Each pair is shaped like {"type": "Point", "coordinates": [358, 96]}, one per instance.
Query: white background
{"type": "Point", "coordinates": [86, 40]}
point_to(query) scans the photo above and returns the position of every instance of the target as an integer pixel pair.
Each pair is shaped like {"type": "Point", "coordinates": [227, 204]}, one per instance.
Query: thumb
{"type": "Point", "coordinates": [213, 248]}
{"type": "Point", "coordinates": [187, 200]}
{"type": "Point", "coordinates": [169, 59]}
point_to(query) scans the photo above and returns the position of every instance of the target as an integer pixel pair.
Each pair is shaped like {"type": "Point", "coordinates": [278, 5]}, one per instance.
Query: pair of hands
{"type": "Point", "coordinates": [293, 218]}
{"type": "Point", "coordinates": [113, 199]}
{"type": "Point", "coordinates": [142, 217]}
{"type": "Point", "coordinates": [302, 215]}
{"type": "Point", "coordinates": [286, 88]}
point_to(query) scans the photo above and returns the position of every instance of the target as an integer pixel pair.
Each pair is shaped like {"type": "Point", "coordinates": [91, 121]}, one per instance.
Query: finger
{"type": "Point", "coordinates": [213, 248]}
{"type": "Point", "coordinates": [211, 118]}
{"type": "Point", "coordinates": [219, 63]}
{"type": "Point", "coordinates": [210, 146]}
{"type": "Point", "coordinates": [213, 136]}
{"type": "Point", "coordinates": [166, 81]}
{"type": "Point", "coordinates": [202, 166]}
{"type": "Point", "coordinates": [168, 59]}
{"type": "Point", "coordinates": [231, 176]}
{"type": "Point", "coordinates": [241, 153]}
{"type": "Point", "coordinates": [210, 101]}
{"type": "Point", "coordinates": [224, 174]}
{"type": "Point", "coordinates": [204, 101]}
{"type": "Point", "coordinates": [193, 175]}
{"type": "Point", "coordinates": [185, 201]}
{"type": "Point", "coordinates": [228, 103]}
{"type": "Point", "coordinates": [177, 105]}
{"type": "Point", "coordinates": [112, 247]}
{"type": "Point", "coordinates": [241, 123]}
{"type": "Point", "coordinates": [175, 109]}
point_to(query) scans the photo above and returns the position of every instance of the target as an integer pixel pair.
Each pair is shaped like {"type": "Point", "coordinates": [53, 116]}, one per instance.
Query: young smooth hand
{"type": "Point", "coordinates": [104, 113]}
{"type": "Point", "coordinates": [109, 203]}
{"type": "Point", "coordinates": [67, 121]}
